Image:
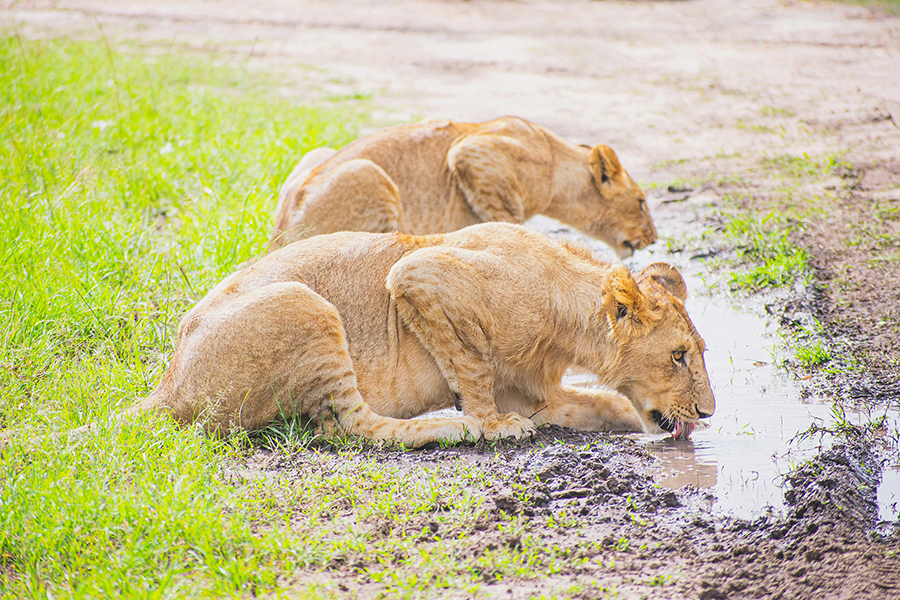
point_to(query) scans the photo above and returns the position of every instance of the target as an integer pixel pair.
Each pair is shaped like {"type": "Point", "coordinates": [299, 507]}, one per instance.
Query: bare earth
{"type": "Point", "coordinates": [708, 95]}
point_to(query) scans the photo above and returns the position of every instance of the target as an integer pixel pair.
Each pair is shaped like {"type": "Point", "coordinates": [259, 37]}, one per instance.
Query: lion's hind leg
{"type": "Point", "coordinates": [308, 162]}
{"type": "Point", "coordinates": [485, 170]}
{"type": "Point", "coordinates": [298, 176]}
{"type": "Point", "coordinates": [277, 352]}
{"type": "Point", "coordinates": [290, 197]}
{"type": "Point", "coordinates": [356, 195]}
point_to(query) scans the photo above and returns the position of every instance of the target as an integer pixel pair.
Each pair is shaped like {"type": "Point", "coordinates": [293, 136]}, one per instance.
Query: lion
{"type": "Point", "coordinates": [357, 333]}
{"type": "Point", "coordinates": [441, 176]}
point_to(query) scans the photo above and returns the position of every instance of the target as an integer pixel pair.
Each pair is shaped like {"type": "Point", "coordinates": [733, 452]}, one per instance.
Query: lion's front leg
{"type": "Point", "coordinates": [439, 296]}
{"type": "Point", "coordinates": [588, 409]}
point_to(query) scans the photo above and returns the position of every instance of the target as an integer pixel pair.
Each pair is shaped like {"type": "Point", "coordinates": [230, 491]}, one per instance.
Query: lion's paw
{"type": "Point", "coordinates": [448, 431]}
{"type": "Point", "coordinates": [510, 425]}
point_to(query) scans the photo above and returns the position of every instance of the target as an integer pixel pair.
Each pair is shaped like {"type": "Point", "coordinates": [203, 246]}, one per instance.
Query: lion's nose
{"type": "Point", "coordinates": [700, 413]}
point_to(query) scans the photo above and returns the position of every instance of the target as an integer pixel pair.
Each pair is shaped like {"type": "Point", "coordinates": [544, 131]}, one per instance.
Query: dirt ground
{"type": "Point", "coordinates": [708, 96]}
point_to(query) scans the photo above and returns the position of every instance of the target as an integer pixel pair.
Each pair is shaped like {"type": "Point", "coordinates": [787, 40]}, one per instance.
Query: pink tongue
{"type": "Point", "coordinates": [682, 430]}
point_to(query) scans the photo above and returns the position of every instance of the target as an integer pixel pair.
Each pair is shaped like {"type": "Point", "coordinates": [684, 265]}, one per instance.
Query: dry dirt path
{"type": "Point", "coordinates": [661, 81]}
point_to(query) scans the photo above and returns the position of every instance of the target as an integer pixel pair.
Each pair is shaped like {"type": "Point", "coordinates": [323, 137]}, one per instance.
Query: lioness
{"type": "Point", "coordinates": [442, 176]}
{"type": "Point", "coordinates": [359, 332]}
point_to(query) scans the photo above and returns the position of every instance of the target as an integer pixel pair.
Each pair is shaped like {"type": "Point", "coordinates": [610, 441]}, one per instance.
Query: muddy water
{"type": "Point", "coordinates": [752, 441]}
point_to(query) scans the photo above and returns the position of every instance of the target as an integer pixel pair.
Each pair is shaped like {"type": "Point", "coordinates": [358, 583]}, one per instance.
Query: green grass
{"type": "Point", "coordinates": [130, 184]}
{"type": "Point", "coordinates": [890, 6]}
{"type": "Point", "coordinates": [765, 250]}
{"type": "Point", "coordinates": [813, 354]}
{"type": "Point", "coordinates": [804, 166]}
{"type": "Point", "coordinates": [774, 111]}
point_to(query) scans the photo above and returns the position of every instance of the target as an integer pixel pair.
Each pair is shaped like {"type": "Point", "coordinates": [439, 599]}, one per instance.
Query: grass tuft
{"type": "Point", "coordinates": [805, 166]}
{"type": "Point", "coordinates": [764, 246]}
{"type": "Point", "coordinates": [891, 7]}
{"type": "Point", "coordinates": [813, 354]}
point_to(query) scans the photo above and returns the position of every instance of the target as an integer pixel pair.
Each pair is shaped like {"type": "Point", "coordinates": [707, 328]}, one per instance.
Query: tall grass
{"type": "Point", "coordinates": [128, 186]}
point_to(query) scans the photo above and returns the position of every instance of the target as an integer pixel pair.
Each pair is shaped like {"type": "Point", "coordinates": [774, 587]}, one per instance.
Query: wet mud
{"type": "Point", "coordinates": [822, 545]}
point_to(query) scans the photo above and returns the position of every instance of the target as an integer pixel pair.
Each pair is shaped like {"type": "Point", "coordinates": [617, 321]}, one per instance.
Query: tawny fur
{"type": "Point", "coordinates": [359, 332]}
{"type": "Point", "coordinates": [442, 176]}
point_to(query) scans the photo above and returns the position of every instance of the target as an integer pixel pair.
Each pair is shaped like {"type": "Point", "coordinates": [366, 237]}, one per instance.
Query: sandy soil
{"type": "Point", "coordinates": [703, 94]}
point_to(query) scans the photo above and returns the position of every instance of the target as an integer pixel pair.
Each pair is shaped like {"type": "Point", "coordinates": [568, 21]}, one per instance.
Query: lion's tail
{"type": "Point", "coordinates": [357, 418]}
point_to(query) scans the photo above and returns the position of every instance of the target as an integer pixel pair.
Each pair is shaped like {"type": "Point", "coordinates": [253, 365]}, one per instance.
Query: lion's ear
{"type": "Point", "coordinates": [604, 164]}
{"type": "Point", "coordinates": [625, 306]}
{"type": "Point", "coordinates": [668, 277]}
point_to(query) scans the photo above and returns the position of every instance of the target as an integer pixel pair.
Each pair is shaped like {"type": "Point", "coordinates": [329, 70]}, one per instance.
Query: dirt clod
{"type": "Point", "coordinates": [712, 593]}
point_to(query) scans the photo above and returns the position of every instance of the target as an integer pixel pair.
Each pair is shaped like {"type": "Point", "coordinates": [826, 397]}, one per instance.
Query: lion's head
{"type": "Point", "coordinates": [660, 365]}
{"type": "Point", "coordinates": [620, 217]}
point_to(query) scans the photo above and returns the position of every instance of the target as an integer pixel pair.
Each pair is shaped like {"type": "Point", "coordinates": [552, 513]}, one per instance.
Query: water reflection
{"type": "Point", "coordinates": [680, 465]}
{"type": "Point", "coordinates": [889, 494]}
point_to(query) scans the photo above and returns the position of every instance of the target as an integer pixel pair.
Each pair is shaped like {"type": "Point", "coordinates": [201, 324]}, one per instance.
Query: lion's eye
{"type": "Point", "coordinates": [642, 203]}
{"type": "Point", "coordinates": [678, 356]}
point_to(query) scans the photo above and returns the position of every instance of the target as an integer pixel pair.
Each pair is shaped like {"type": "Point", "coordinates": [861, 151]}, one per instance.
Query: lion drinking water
{"type": "Point", "coordinates": [442, 176]}
{"type": "Point", "coordinates": [359, 332]}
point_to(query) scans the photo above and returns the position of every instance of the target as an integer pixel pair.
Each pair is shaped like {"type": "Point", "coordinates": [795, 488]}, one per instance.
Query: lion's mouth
{"type": "Point", "coordinates": [679, 429]}
{"type": "Point", "coordinates": [623, 249]}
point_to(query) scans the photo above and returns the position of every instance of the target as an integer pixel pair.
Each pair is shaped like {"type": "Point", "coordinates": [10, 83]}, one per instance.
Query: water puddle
{"type": "Point", "coordinates": [889, 488]}
{"type": "Point", "coordinates": [889, 494]}
{"type": "Point", "coordinates": [752, 440]}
